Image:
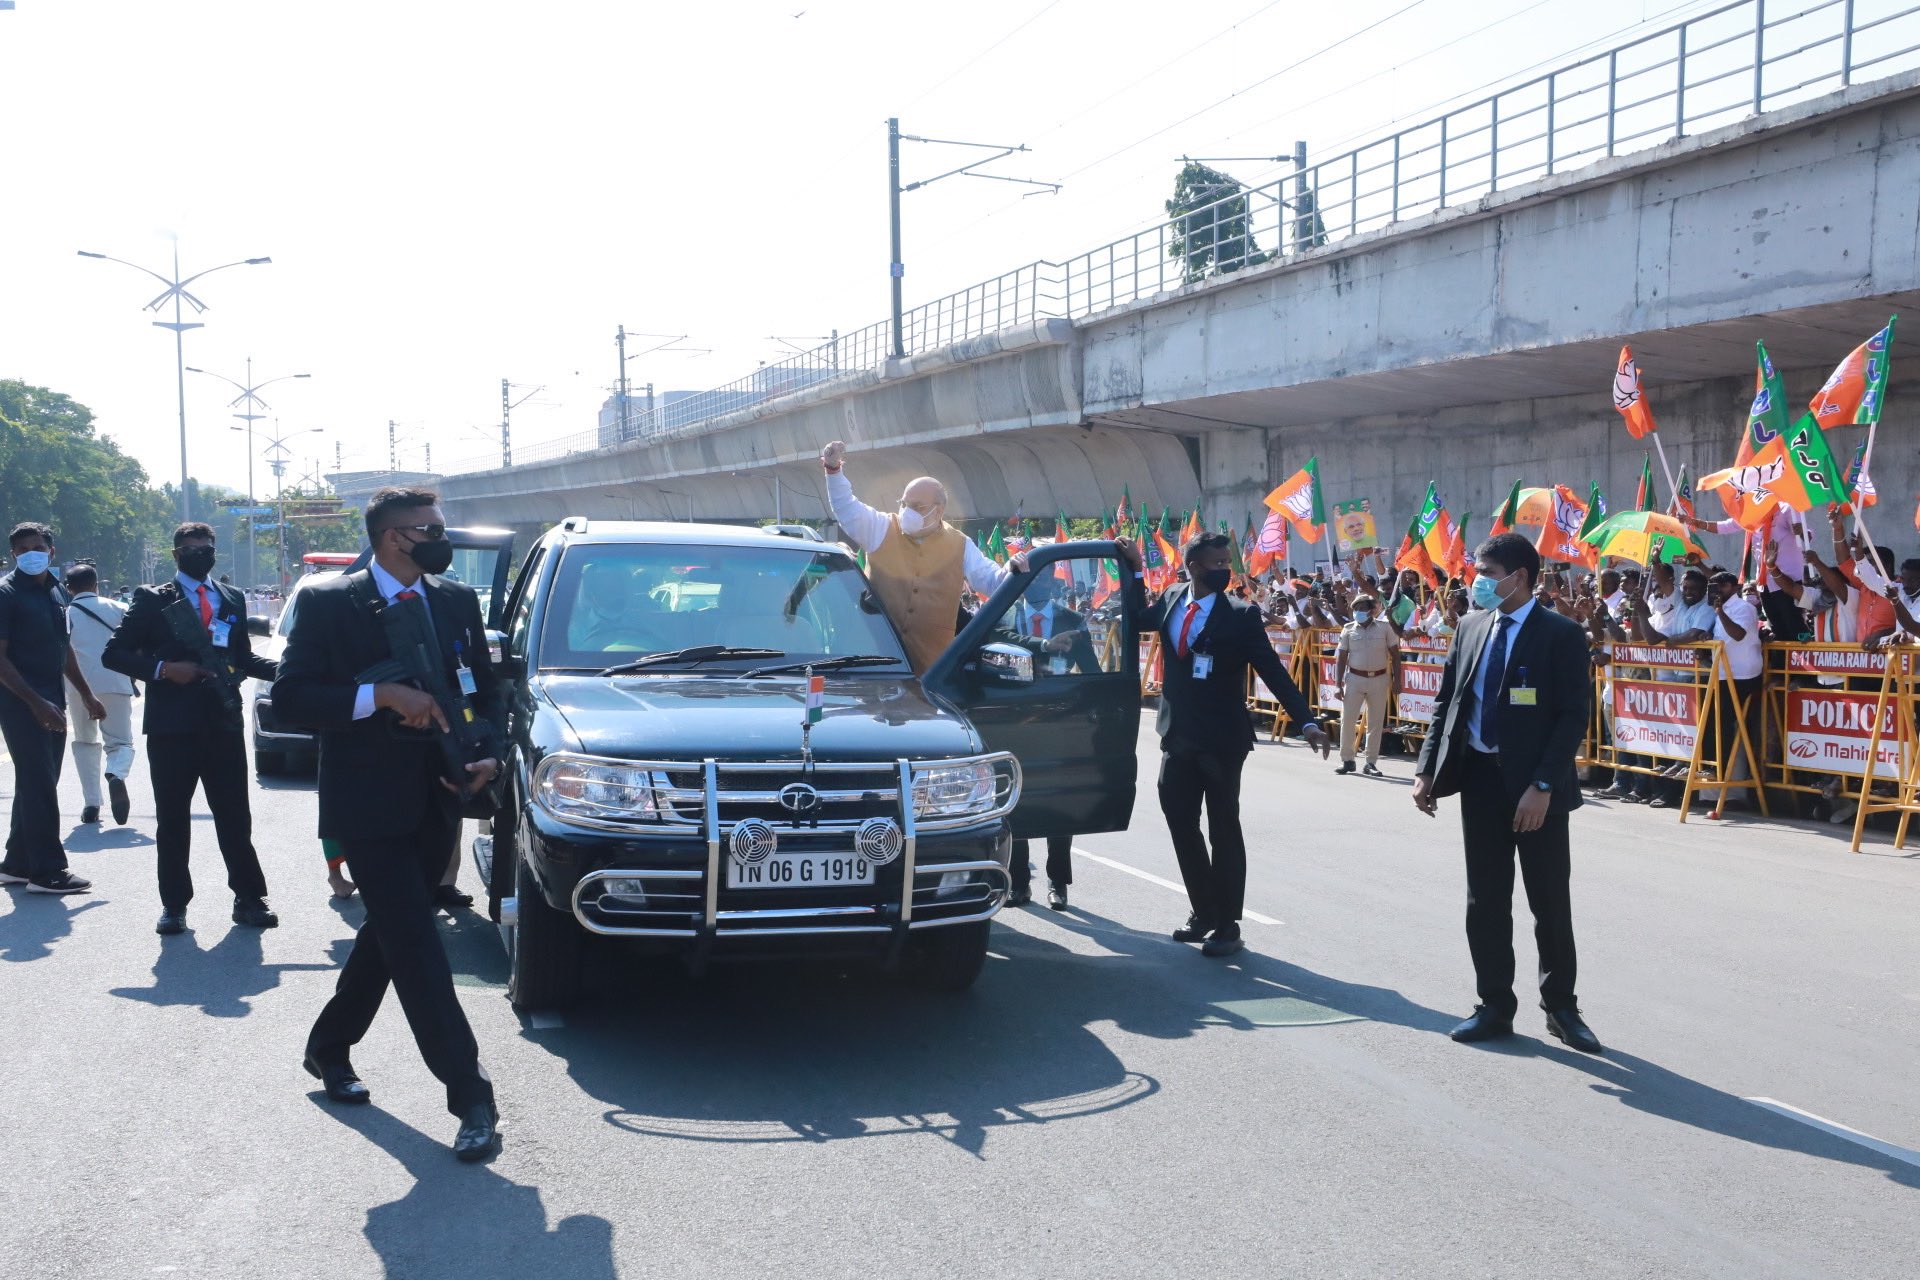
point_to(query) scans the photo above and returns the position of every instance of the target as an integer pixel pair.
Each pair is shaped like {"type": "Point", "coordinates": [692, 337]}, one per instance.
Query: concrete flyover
{"type": "Point", "coordinates": [1471, 346]}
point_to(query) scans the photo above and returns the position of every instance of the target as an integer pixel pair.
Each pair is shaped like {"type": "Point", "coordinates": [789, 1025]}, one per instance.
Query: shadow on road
{"type": "Point", "coordinates": [816, 1052]}
{"type": "Point", "coordinates": [1659, 1092]}
{"type": "Point", "coordinates": [220, 980]}
{"type": "Point", "coordinates": [468, 1221]}
{"type": "Point", "coordinates": [36, 922]}
{"type": "Point", "coordinates": [95, 838]}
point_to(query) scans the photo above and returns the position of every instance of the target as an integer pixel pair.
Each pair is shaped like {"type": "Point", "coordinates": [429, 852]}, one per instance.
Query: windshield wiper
{"type": "Point", "coordinates": [822, 664]}
{"type": "Point", "coordinates": [698, 653]}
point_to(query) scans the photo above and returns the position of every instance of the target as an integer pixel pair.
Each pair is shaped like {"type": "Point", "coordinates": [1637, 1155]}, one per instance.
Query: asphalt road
{"type": "Point", "coordinates": [1104, 1102]}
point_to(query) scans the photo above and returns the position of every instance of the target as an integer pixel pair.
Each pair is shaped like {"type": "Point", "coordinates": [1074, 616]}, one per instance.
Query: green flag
{"type": "Point", "coordinates": [1509, 512]}
{"type": "Point", "coordinates": [996, 546]}
{"type": "Point", "coordinates": [1813, 461]}
{"type": "Point", "coordinates": [1768, 416]}
{"type": "Point", "coordinates": [1596, 512]}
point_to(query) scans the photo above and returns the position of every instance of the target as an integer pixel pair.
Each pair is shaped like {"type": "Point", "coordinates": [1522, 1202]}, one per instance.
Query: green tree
{"type": "Point", "coordinates": [55, 468]}
{"type": "Point", "coordinates": [1211, 225]}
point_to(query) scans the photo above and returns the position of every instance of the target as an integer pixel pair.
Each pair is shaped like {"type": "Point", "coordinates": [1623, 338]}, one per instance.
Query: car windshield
{"type": "Point", "coordinates": [614, 603]}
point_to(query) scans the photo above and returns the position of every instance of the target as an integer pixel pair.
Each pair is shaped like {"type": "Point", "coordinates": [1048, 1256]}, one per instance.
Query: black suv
{"type": "Point", "coordinates": [677, 779]}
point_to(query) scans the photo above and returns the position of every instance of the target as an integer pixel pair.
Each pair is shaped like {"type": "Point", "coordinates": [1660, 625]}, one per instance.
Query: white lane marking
{"type": "Point", "coordinates": [1151, 878]}
{"type": "Point", "coordinates": [545, 1021]}
{"type": "Point", "coordinates": [1903, 1154]}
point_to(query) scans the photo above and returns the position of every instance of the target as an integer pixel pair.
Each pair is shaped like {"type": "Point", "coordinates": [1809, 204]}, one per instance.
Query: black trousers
{"type": "Point", "coordinates": [33, 834]}
{"type": "Point", "coordinates": [1216, 883]}
{"type": "Point", "coordinates": [215, 760]}
{"type": "Point", "coordinates": [1486, 820]}
{"type": "Point", "coordinates": [400, 944]}
{"type": "Point", "coordinates": [1059, 862]}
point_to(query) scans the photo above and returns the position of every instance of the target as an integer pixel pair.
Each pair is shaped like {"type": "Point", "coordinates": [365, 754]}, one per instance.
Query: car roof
{"type": "Point", "coordinates": [576, 530]}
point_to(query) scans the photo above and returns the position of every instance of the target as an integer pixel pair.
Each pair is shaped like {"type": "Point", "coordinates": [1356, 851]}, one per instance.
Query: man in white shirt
{"type": "Point", "coordinates": [1736, 624]}
{"type": "Point", "coordinates": [916, 561]}
{"type": "Point", "coordinates": [91, 622]}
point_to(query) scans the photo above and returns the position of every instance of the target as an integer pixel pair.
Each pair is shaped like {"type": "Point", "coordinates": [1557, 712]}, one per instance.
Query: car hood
{"type": "Point", "coordinates": [675, 717]}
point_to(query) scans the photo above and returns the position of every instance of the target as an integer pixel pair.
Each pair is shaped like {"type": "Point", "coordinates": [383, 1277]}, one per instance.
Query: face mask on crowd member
{"type": "Point", "coordinates": [923, 507]}
{"type": "Point", "coordinates": [1363, 609]}
{"type": "Point", "coordinates": [33, 563]}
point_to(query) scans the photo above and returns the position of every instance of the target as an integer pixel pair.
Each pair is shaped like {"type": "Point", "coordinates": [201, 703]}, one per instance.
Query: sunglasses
{"type": "Point", "coordinates": [427, 532]}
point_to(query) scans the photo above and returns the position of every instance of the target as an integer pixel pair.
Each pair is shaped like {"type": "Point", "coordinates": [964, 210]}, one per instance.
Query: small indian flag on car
{"type": "Point", "coordinates": [816, 697]}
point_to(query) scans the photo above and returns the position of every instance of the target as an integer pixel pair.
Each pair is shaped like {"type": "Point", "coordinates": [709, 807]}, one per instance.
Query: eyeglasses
{"type": "Point", "coordinates": [427, 532]}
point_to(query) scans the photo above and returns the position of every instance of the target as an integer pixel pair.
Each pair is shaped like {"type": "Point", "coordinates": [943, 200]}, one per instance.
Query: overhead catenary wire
{"type": "Point", "coordinates": [966, 66]}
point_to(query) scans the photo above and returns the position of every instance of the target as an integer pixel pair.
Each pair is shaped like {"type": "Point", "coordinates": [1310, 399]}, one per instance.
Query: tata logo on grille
{"type": "Point", "coordinates": [799, 798]}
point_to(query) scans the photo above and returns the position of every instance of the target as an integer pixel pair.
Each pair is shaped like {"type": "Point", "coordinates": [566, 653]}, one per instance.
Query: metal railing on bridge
{"type": "Point", "coordinates": [1730, 63]}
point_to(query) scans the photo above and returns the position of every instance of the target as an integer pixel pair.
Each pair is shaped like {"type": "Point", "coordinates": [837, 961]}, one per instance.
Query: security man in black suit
{"type": "Point", "coordinates": [1507, 723]}
{"type": "Point", "coordinates": [196, 730]}
{"type": "Point", "coordinates": [1208, 640]}
{"type": "Point", "coordinates": [1060, 643]}
{"type": "Point", "coordinates": [384, 798]}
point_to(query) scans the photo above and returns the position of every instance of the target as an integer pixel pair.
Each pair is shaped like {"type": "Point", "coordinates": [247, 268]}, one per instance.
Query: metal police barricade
{"type": "Point", "coordinates": [1418, 664]}
{"type": "Point", "coordinates": [1665, 703]}
{"type": "Point", "coordinates": [1320, 662]}
{"type": "Point", "coordinates": [1819, 717]}
{"type": "Point", "coordinates": [1891, 735]}
{"type": "Point", "coordinates": [1260, 699]}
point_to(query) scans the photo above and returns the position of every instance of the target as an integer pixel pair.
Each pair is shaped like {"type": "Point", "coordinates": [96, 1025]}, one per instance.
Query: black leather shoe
{"type": "Point", "coordinates": [1485, 1024]}
{"type": "Point", "coordinates": [172, 922]}
{"type": "Point", "coordinates": [1057, 897]}
{"type": "Point", "coordinates": [1346, 766]}
{"type": "Point", "coordinates": [339, 1082]}
{"type": "Point", "coordinates": [1194, 930]}
{"type": "Point", "coordinates": [90, 815]}
{"type": "Point", "coordinates": [1224, 941]}
{"type": "Point", "coordinates": [118, 800]}
{"type": "Point", "coordinates": [451, 897]}
{"type": "Point", "coordinates": [1019, 896]}
{"type": "Point", "coordinates": [254, 912]}
{"type": "Point", "coordinates": [479, 1135]}
{"type": "Point", "coordinates": [1569, 1029]}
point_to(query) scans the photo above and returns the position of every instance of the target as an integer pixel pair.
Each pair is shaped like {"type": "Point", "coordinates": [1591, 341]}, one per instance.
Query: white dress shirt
{"type": "Point", "coordinates": [1519, 617]}
{"type": "Point", "coordinates": [869, 528]}
{"type": "Point", "coordinates": [1744, 656]}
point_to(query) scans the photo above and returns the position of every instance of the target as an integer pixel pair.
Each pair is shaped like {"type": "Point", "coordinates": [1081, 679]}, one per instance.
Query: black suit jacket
{"type": "Point", "coordinates": [1537, 742]}
{"type": "Point", "coordinates": [144, 641]}
{"type": "Point", "coordinates": [1081, 656]}
{"type": "Point", "coordinates": [377, 779]}
{"type": "Point", "coordinates": [1211, 715]}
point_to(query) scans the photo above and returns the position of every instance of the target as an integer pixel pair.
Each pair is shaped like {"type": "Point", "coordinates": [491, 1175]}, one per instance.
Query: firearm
{"type": "Point", "coordinates": [415, 661]}
{"type": "Point", "coordinates": [183, 620]}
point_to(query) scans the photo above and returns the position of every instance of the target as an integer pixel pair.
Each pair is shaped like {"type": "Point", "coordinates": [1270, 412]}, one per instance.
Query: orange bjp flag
{"type": "Point", "coordinates": [1630, 398]}
{"type": "Point", "coordinates": [1298, 499]}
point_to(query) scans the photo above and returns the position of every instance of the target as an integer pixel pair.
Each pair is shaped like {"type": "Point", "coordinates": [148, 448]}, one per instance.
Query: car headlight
{"type": "Point", "coordinates": [952, 790]}
{"type": "Point", "coordinates": [597, 790]}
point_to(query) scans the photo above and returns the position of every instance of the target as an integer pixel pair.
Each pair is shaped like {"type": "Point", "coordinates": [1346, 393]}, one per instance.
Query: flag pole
{"type": "Point", "coordinates": [1673, 490]}
{"type": "Point", "coordinates": [1873, 429]}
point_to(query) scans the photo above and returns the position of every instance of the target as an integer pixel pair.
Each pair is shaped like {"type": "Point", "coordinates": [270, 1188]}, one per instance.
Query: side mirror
{"type": "Point", "coordinates": [258, 624]}
{"type": "Point", "coordinates": [496, 645]}
{"type": "Point", "coordinates": [1006, 664]}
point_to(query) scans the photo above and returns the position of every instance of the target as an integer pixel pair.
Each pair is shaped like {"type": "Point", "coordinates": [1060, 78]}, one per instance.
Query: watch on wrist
{"type": "Point", "coordinates": [1542, 786]}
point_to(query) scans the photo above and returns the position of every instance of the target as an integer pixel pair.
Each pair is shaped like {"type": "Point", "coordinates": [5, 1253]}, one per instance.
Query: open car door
{"type": "Point", "coordinates": [1059, 688]}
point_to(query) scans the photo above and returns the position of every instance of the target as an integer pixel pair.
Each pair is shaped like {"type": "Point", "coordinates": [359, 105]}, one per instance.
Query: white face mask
{"type": "Point", "coordinates": [913, 524]}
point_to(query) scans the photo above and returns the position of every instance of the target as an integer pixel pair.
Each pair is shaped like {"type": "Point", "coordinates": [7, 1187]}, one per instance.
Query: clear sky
{"type": "Point", "coordinates": [453, 193]}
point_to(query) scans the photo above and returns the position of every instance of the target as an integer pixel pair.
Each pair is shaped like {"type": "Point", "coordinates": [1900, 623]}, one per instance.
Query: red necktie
{"type": "Point", "coordinates": [1193, 611]}
{"type": "Point", "coordinates": [408, 594]}
{"type": "Point", "coordinates": [206, 608]}
{"type": "Point", "coordinates": [1039, 625]}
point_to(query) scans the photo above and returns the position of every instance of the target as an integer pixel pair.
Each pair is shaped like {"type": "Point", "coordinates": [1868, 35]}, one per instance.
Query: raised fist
{"type": "Point", "coordinates": [831, 456]}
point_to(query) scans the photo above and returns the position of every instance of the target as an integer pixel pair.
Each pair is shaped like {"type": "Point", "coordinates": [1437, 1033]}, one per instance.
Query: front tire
{"type": "Point", "coordinates": [544, 970]}
{"type": "Point", "coordinates": [952, 956]}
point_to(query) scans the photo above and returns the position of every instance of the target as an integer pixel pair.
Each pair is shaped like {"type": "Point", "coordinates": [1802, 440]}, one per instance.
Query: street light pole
{"type": "Point", "coordinates": [249, 395]}
{"type": "Point", "coordinates": [177, 290]}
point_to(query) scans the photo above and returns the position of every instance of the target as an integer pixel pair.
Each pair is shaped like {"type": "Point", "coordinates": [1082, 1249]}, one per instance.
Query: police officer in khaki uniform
{"type": "Point", "coordinates": [1363, 668]}
{"type": "Point", "coordinates": [916, 561]}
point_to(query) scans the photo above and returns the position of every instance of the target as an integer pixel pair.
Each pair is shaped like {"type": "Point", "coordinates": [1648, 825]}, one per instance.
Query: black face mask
{"type": "Point", "coordinates": [195, 562]}
{"type": "Point", "coordinates": [434, 556]}
{"type": "Point", "coordinates": [1214, 579]}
